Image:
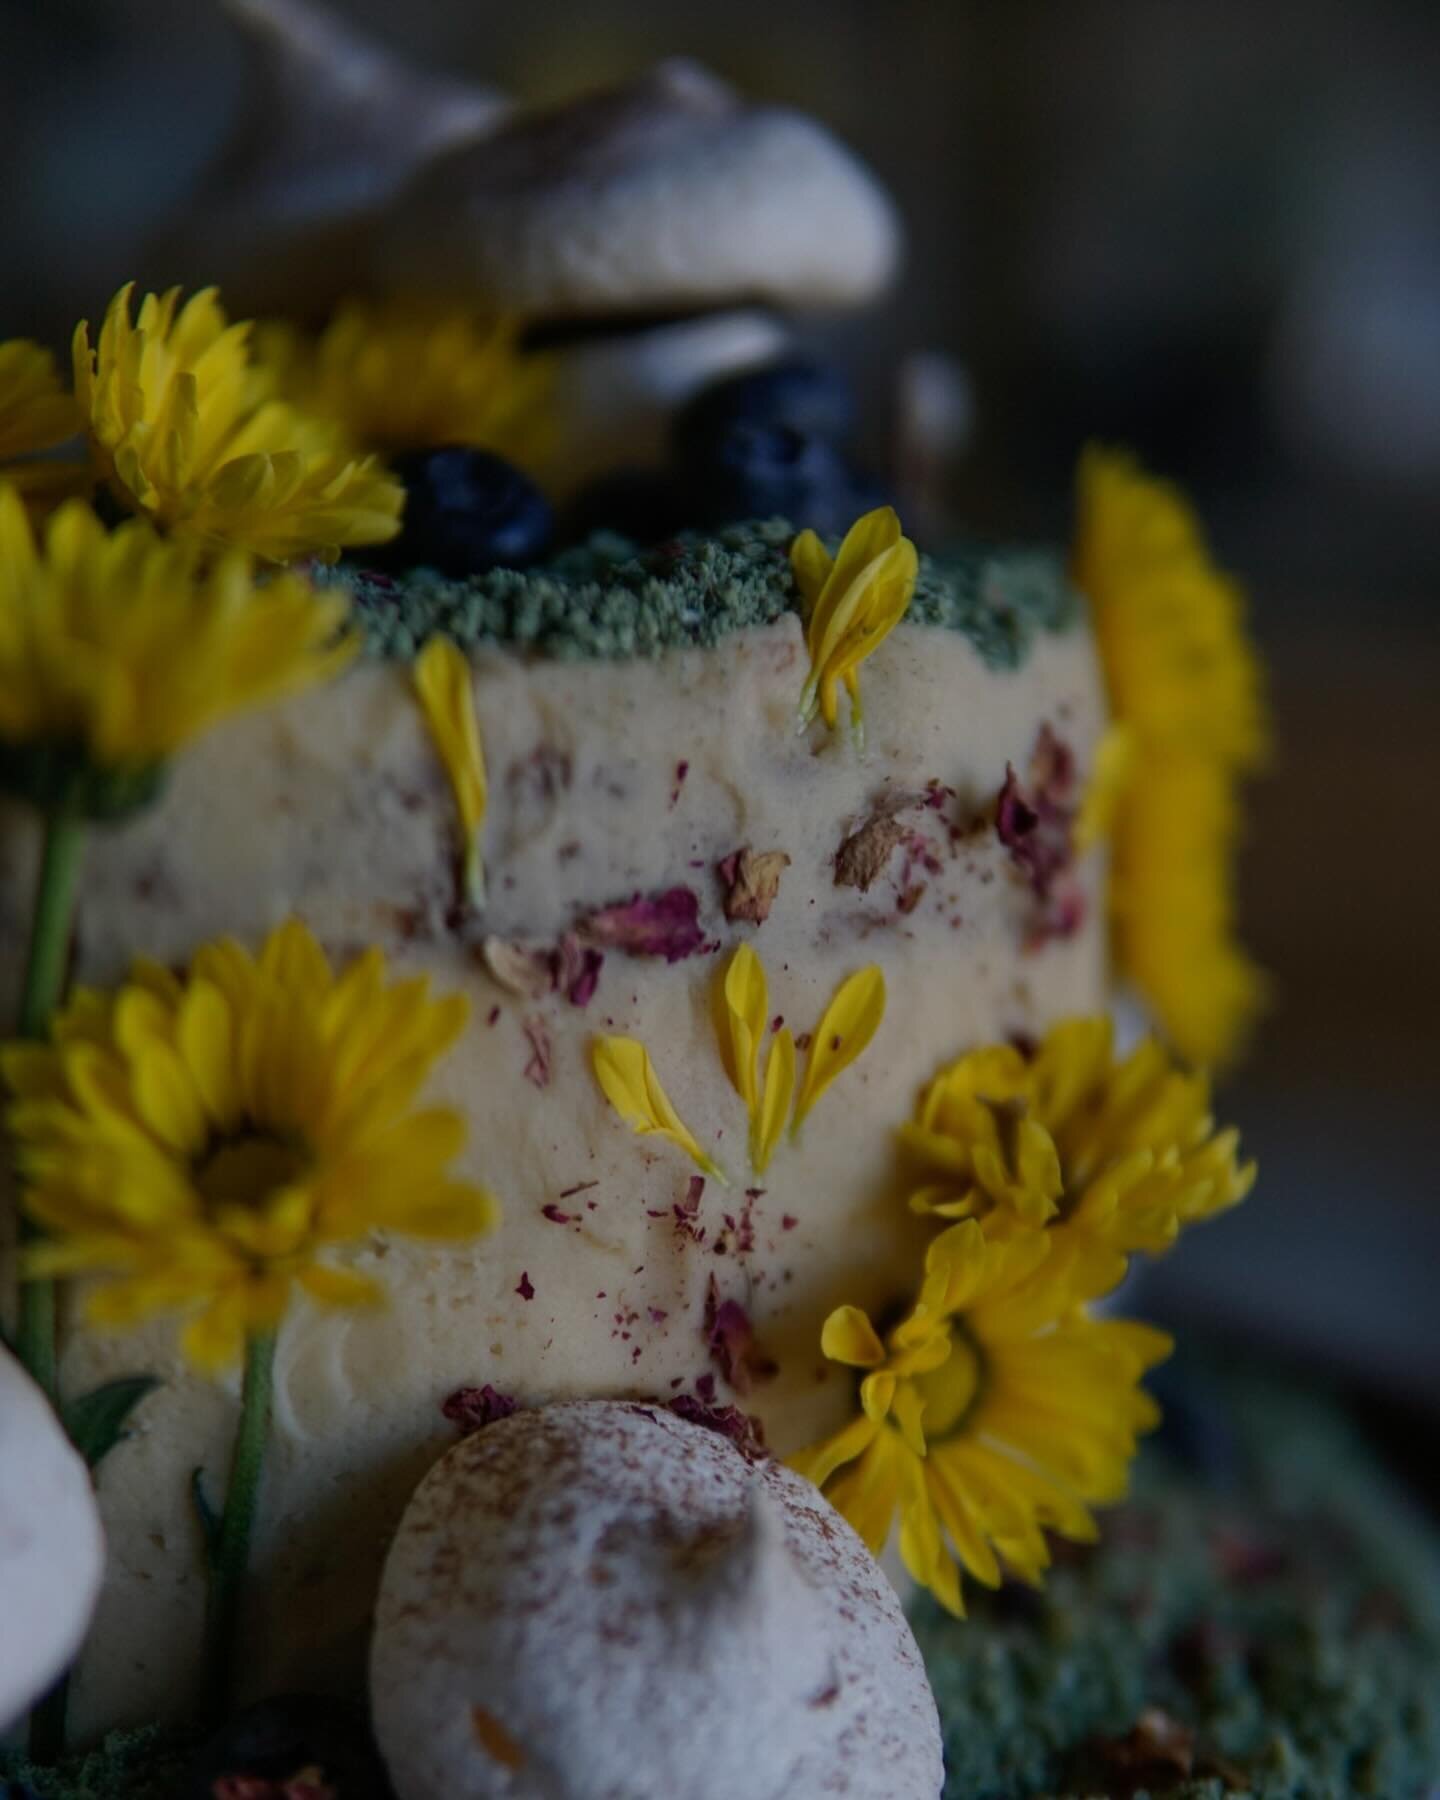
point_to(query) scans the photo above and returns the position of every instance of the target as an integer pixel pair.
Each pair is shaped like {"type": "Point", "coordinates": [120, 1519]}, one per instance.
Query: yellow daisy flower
{"type": "Point", "coordinates": [995, 1411]}
{"type": "Point", "coordinates": [184, 428]}
{"type": "Point", "coordinates": [36, 414]}
{"type": "Point", "coordinates": [201, 1140]}
{"type": "Point", "coordinates": [1190, 721]}
{"type": "Point", "coordinates": [117, 647]}
{"type": "Point", "coordinates": [1110, 1157]}
{"type": "Point", "coordinates": [405, 375]}
{"type": "Point", "coordinates": [853, 602]}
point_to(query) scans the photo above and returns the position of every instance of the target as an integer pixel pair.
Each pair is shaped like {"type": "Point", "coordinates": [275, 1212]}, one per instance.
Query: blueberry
{"type": "Point", "coordinates": [809, 397]}
{"type": "Point", "coordinates": [280, 1737]}
{"type": "Point", "coordinates": [754, 471]}
{"type": "Point", "coordinates": [467, 511]}
{"type": "Point", "coordinates": [643, 505]}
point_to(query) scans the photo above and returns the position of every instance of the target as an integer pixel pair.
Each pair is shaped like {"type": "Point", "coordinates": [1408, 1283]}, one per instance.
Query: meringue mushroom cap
{"type": "Point", "coordinates": [51, 1548]}
{"type": "Point", "coordinates": [598, 1598]}
{"type": "Point", "coordinates": [670, 193]}
{"type": "Point", "coordinates": [332, 125]}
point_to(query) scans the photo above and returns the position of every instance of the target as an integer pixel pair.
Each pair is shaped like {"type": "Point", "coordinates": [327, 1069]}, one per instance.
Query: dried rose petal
{"type": "Point", "coordinates": [730, 1339]}
{"type": "Point", "coordinates": [472, 1408]}
{"type": "Point", "coordinates": [751, 880]}
{"type": "Point", "coordinates": [743, 1429]}
{"type": "Point", "coordinates": [537, 1069]}
{"type": "Point", "coordinates": [665, 924]}
{"type": "Point", "coordinates": [518, 968]}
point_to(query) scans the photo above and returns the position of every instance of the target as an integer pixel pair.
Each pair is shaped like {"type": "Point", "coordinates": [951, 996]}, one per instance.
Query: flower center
{"type": "Point", "coordinates": [246, 1170]}
{"type": "Point", "coordinates": [950, 1391]}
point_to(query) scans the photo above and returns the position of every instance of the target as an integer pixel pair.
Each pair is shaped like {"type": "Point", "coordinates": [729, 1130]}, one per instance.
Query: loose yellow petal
{"type": "Point", "coordinates": [850, 1021]}
{"type": "Point", "coordinates": [746, 1010]}
{"type": "Point", "coordinates": [853, 605]}
{"type": "Point", "coordinates": [775, 1100]}
{"type": "Point", "coordinates": [447, 697]}
{"type": "Point", "coordinates": [629, 1082]}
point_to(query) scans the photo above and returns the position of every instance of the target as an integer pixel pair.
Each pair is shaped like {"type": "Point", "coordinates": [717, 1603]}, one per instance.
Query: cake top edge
{"type": "Point", "coordinates": [608, 600]}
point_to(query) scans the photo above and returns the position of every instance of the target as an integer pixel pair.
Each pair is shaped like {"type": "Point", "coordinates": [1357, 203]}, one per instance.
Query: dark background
{"type": "Point", "coordinates": [1209, 230]}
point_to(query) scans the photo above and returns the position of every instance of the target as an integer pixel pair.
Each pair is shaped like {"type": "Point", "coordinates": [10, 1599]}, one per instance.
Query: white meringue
{"type": "Point", "coordinates": [51, 1549]}
{"type": "Point", "coordinates": [333, 124]}
{"type": "Point", "coordinates": [598, 1601]}
{"type": "Point", "coordinates": [671, 193]}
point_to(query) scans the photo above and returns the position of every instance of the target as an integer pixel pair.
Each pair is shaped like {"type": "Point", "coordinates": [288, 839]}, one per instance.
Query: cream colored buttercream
{"type": "Point", "coordinates": [606, 780]}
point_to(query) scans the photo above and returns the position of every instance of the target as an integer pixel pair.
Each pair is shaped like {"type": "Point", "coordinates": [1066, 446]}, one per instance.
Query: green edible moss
{"type": "Point", "coordinates": [144, 1764]}
{"type": "Point", "coordinates": [608, 600]}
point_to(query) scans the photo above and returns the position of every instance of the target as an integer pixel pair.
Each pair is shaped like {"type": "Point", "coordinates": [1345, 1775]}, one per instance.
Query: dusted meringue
{"type": "Point", "coordinates": [51, 1549]}
{"type": "Point", "coordinates": [666, 194]}
{"type": "Point", "coordinates": [333, 124]}
{"type": "Point", "coordinates": [598, 1599]}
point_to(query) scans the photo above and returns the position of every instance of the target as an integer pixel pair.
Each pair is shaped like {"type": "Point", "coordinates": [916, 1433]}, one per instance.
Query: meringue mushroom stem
{"type": "Point", "coordinates": [230, 1552]}
{"type": "Point", "coordinates": [45, 971]}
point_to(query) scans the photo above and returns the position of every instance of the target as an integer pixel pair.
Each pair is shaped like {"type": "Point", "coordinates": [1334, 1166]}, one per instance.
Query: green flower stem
{"type": "Point", "coordinates": [231, 1555]}
{"type": "Point", "coordinates": [44, 986]}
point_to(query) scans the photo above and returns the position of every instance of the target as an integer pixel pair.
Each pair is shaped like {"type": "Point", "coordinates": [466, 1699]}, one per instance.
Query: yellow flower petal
{"type": "Point", "coordinates": [629, 1082]}
{"type": "Point", "coordinates": [847, 1026]}
{"type": "Point", "coordinates": [853, 605]}
{"type": "Point", "coordinates": [745, 1015]}
{"type": "Point", "coordinates": [775, 1101]}
{"type": "Point", "coordinates": [447, 697]}
{"type": "Point", "coordinates": [849, 1337]}
{"type": "Point", "coordinates": [330, 1286]}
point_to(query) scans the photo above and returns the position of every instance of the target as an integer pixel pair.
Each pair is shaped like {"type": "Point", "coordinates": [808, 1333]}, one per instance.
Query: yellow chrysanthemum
{"type": "Point", "coordinates": [403, 375]}
{"type": "Point", "coordinates": [1190, 722]}
{"type": "Point", "coordinates": [853, 603]}
{"type": "Point", "coordinates": [202, 1140]}
{"type": "Point", "coordinates": [628, 1081]}
{"type": "Point", "coordinates": [995, 1411]}
{"type": "Point", "coordinates": [117, 647]}
{"type": "Point", "coordinates": [36, 414]}
{"type": "Point", "coordinates": [185, 428]}
{"type": "Point", "coordinates": [1111, 1157]}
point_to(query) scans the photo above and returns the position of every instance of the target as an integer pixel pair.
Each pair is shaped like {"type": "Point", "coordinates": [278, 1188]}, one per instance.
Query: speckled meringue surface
{"type": "Point", "coordinates": [51, 1548]}
{"type": "Point", "coordinates": [668, 192]}
{"type": "Point", "coordinates": [599, 1601]}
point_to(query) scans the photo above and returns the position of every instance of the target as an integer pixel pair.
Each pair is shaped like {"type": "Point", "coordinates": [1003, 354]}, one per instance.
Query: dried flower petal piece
{"type": "Point", "coordinates": [774, 1101]}
{"type": "Point", "coordinates": [518, 969]}
{"type": "Point", "coordinates": [730, 1339]}
{"type": "Point", "coordinates": [473, 1408]}
{"type": "Point", "coordinates": [752, 881]}
{"type": "Point", "coordinates": [849, 1022]}
{"type": "Point", "coordinates": [853, 604]}
{"type": "Point", "coordinates": [665, 924]}
{"type": "Point", "coordinates": [743, 1429]}
{"type": "Point", "coordinates": [862, 855]}
{"type": "Point", "coordinates": [442, 681]}
{"type": "Point", "coordinates": [629, 1082]}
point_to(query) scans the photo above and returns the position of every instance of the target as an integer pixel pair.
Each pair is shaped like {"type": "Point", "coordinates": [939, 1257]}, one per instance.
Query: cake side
{"type": "Point", "coordinates": [609, 779]}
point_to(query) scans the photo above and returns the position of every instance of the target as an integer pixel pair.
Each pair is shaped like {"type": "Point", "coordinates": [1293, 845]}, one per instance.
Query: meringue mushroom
{"type": "Point", "coordinates": [51, 1550]}
{"type": "Point", "coordinates": [597, 1598]}
{"type": "Point", "coordinates": [333, 126]}
{"type": "Point", "coordinates": [668, 194]}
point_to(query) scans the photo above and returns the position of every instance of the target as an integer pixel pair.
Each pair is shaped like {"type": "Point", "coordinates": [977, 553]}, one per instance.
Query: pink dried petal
{"type": "Point", "coordinates": [665, 924]}
{"type": "Point", "coordinates": [743, 1429]}
{"type": "Point", "coordinates": [473, 1408]}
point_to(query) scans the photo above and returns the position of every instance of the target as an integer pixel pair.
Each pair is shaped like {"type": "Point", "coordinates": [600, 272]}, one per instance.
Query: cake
{"type": "Point", "coordinates": [656, 977]}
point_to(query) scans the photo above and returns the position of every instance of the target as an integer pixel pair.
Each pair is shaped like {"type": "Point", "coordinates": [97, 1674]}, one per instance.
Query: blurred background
{"type": "Point", "coordinates": [1210, 232]}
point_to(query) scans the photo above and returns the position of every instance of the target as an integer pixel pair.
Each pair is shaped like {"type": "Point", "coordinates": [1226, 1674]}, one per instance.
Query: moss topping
{"type": "Point", "coordinates": [144, 1764]}
{"type": "Point", "coordinates": [1284, 1629]}
{"type": "Point", "coordinates": [609, 600]}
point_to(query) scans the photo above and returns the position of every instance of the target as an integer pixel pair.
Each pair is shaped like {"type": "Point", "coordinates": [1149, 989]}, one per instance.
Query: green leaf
{"type": "Point", "coordinates": [206, 1514]}
{"type": "Point", "coordinates": [96, 1421]}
